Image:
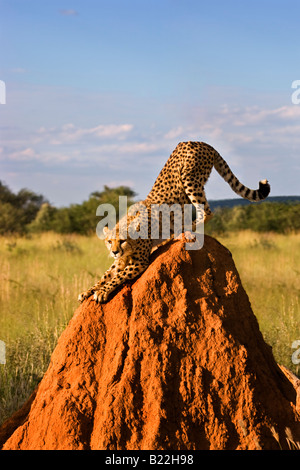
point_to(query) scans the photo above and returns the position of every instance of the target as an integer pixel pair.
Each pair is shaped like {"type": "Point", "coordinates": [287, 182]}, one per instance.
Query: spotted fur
{"type": "Point", "coordinates": [181, 181]}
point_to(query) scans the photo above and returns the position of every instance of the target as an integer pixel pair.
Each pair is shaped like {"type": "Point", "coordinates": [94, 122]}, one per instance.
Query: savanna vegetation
{"type": "Point", "coordinates": [277, 217]}
{"type": "Point", "coordinates": [27, 212]}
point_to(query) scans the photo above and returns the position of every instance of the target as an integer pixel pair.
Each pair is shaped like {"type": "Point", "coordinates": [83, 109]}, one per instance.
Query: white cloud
{"type": "Point", "coordinates": [234, 131]}
{"type": "Point", "coordinates": [23, 155]}
{"type": "Point", "coordinates": [254, 115]}
{"type": "Point", "coordinates": [19, 70]}
{"type": "Point", "coordinates": [257, 142]}
{"type": "Point", "coordinates": [69, 133]}
{"type": "Point", "coordinates": [29, 154]}
{"type": "Point", "coordinates": [109, 131]}
{"type": "Point", "coordinates": [68, 12]}
{"type": "Point", "coordinates": [288, 112]}
{"type": "Point", "coordinates": [174, 133]}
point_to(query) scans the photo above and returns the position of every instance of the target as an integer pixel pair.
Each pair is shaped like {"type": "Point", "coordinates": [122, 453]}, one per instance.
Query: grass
{"type": "Point", "coordinates": [269, 267]}
{"type": "Point", "coordinates": [40, 279]}
{"type": "Point", "coordinates": [42, 275]}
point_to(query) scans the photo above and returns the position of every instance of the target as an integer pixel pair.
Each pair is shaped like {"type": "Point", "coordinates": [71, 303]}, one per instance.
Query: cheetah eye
{"type": "Point", "coordinates": [109, 241]}
{"type": "Point", "coordinates": [122, 241]}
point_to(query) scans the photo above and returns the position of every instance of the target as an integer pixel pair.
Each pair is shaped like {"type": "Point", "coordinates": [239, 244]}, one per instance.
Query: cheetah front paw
{"type": "Point", "coordinates": [83, 296]}
{"type": "Point", "coordinates": [100, 296]}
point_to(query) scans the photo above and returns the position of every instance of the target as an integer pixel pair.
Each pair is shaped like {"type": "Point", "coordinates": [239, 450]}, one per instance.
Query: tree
{"type": "Point", "coordinates": [44, 219]}
{"type": "Point", "coordinates": [18, 210]}
{"type": "Point", "coordinates": [30, 203]}
{"type": "Point", "coordinates": [11, 219]}
{"type": "Point", "coordinates": [79, 218]}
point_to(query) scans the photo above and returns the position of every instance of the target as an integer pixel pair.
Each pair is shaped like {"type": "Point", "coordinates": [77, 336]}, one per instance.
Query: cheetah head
{"type": "Point", "coordinates": [116, 245]}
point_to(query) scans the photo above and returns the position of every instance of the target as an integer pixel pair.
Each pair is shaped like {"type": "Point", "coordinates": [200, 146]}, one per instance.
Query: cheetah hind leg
{"type": "Point", "coordinates": [197, 198]}
{"type": "Point", "coordinates": [206, 214]}
{"type": "Point", "coordinates": [207, 217]}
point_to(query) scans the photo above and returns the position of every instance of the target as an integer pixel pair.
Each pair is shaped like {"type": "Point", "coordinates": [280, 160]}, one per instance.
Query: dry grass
{"type": "Point", "coordinates": [269, 266]}
{"type": "Point", "coordinates": [288, 438]}
{"type": "Point", "coordinates": [41, 277]}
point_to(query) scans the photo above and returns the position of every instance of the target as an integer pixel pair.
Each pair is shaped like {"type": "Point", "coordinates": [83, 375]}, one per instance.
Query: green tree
{"type": "Point", "coordinates": [11, 219]}
{"type": "Point", "coordinates": [18, 210]}
{"type": "Point", "coordinates": [111, 196]}
{"type": "Point", "coordinates": [263, 217]}
{"type": "Point", "coordinates": [44, 219]}
{"type": "Point", "coordinates": [80, 218]}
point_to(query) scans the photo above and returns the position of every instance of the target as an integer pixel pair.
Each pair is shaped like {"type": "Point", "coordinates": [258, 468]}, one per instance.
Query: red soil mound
{"type": "Point", "coordinates": [174, 361]}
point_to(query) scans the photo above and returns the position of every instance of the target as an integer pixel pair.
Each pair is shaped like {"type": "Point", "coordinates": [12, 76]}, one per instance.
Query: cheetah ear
{"type": "Point", "coordinates": [105, 230]}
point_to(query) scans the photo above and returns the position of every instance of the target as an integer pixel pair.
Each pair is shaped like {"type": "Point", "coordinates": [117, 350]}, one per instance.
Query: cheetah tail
{"type": "Point", "coordinates": [250, 194]}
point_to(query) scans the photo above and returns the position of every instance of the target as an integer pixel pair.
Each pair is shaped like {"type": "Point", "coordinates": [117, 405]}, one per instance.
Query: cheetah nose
{"type": "Point", "coordinates": [115, 252]}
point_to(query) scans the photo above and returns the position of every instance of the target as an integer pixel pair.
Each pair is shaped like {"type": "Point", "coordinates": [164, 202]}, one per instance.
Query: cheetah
{"type": "Point", "coordinates": [181, 181]}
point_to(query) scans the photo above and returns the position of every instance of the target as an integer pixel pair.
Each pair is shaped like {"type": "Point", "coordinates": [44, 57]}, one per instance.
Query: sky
{"type": "Point", "coordinates": [100, 92]}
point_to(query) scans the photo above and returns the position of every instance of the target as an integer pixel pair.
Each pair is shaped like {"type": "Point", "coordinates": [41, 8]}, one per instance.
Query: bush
{"type": "Point", "coordinates": [29, 212]}
{"type": "Point", "coordinates": [18, 210]}
{"type": "Point", "coordinates": [79, 218]}
{"type": "Point", "coordinates": [265, 217]}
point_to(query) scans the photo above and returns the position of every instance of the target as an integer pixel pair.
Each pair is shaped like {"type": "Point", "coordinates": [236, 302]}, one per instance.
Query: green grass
{"type": "Point", "coordinates": [41, 277]}
{"type": "Point", "coordinates": [269, 267]}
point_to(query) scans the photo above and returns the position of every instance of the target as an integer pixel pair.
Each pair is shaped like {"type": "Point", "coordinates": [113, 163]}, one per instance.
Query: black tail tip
{"type": "Point", "coordinates": [264, 189]}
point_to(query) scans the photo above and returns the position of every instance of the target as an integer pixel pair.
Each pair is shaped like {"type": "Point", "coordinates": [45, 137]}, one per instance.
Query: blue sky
{"type": "Point", "coordinates": [100, 92]}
